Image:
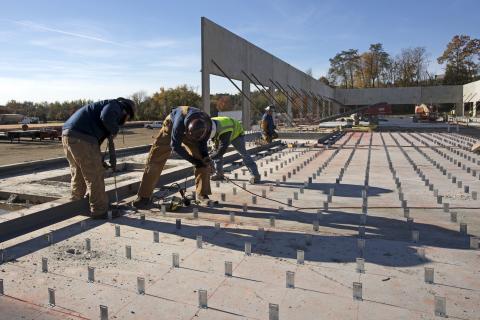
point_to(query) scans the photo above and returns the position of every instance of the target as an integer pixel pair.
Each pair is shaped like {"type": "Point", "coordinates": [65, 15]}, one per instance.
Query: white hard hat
{"type": "Point", "coordinates": [270, 108]}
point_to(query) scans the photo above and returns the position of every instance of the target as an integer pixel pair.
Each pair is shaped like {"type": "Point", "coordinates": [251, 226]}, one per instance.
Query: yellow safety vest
{"type": "Point", "coordinates": [226, 124]}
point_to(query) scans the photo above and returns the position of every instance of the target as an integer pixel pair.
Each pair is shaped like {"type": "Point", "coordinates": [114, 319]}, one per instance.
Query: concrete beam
{"type": "Point", "coordinates": [246, 106]}
{"type": "Point", "coordinates": [62, 209]}
{"type": "Point", "coordinates": [15, 169]}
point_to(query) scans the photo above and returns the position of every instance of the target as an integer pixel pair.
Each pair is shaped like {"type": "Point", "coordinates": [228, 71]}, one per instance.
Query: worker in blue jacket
{"type": "Point", "coordinates": [185, 130]}
{"type": "Point", "coordinates": [82, 135]}
{"type": "Point", "coordinates": [267, 125]}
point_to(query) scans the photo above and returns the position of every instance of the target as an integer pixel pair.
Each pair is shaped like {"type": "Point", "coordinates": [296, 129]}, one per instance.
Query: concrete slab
{"type": "Point", "coordinates": [393, 281]}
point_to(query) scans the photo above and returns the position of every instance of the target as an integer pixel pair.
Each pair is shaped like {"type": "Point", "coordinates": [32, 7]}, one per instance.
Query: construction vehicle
{"type": "Point", "coordinates": [425, 113]}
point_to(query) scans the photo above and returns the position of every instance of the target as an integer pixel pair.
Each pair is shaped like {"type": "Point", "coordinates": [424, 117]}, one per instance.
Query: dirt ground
{"type": "Point", "coordinates": [28, 150]}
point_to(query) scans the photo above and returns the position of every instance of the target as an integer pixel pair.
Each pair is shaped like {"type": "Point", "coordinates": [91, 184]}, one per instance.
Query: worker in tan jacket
{"type": "Point", "coordinates": [185, 130]}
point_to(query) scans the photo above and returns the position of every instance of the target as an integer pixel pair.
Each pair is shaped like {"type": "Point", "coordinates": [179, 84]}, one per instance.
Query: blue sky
{"type": "Point", "coordinates": [58, 50]}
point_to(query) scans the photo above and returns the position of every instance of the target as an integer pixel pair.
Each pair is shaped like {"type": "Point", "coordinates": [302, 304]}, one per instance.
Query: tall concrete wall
{"type": "Point", "coordinates": [407, 95]}
{"type": "Point", "coordinates": [456, 95]}
{"type": "Point", "coordinates": [235, 55]}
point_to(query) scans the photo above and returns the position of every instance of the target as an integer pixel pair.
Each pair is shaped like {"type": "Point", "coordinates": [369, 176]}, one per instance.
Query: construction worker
{"type": "Point", "coordinates": [186, 130]}
{"type": "Point", "coordinates": [82, 135]}
{"type": "Point", "coordinates": [226, 131]}
{"type": "Point", "coordinates": [268, 126]}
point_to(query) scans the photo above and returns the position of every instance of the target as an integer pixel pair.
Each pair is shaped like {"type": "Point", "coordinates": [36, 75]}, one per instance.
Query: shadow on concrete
{"type": "Point", "coordinates": [341, 189]}
{"type": "Point", "coordinates": [380, 249]}
{"type": "Point", "coordinates": [387, 240]}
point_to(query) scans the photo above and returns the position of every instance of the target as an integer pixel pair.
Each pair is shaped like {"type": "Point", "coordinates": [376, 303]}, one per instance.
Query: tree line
{"type": "Point", "coordinates": [149, 107]}
{"type": "Point", "coordinates": [377, 68]}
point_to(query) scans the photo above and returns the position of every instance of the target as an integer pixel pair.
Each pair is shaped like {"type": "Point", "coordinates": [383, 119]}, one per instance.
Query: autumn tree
{"type": "Point", "coordinates": [375, 62]}
{"type": "Point", "coordinates": [324, 80]}
{"type": "Point", "coordinates": [462, 59]}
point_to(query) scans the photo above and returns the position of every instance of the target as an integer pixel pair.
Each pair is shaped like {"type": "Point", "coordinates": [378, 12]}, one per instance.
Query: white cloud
{"type": "Point", "coordinates": [177, 61]}
{"type": "Point", "coordinates": [75, 47]}
{"type": "Point", "coordinates": [39, 27]}
{"type": "Point", "coordinates": [158, 43]}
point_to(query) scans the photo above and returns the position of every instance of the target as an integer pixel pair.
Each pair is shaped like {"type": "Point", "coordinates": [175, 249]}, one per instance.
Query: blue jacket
{"type": "Point", "coordinates": [268, 119]}
{"type": "Point", "coordinates": [179, 126]}
{"type": "Point", "coordinates": [95, 122]}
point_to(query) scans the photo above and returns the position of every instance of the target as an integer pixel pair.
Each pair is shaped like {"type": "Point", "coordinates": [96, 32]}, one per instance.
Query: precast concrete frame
{"type": "Point", "coordinates": [243, 61]}
{"type": "Point", "coordinates": [237, 57]}
{"type": "Point", "coordinates": [457, 95]}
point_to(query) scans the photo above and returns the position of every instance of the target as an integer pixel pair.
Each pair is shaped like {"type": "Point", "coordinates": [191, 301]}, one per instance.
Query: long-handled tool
{"type": "Point", "coordinates": [113, 164]}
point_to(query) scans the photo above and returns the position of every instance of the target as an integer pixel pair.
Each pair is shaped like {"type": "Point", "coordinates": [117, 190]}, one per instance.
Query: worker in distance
{"type": "Point", "coordinates": [82, 135]}
{"type": "Point", "coordinates": [268, 125]}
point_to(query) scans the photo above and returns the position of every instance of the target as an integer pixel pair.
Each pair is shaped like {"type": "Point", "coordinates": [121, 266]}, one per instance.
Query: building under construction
{"type": "Point", "coordinates": [364, 223]}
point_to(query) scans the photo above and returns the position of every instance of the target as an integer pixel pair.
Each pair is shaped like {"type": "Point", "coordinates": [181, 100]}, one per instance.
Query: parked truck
{"type": "Point", "coordinates": [425, 113]}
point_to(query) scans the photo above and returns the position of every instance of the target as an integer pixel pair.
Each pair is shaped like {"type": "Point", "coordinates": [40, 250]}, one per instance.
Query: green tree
{"type": "Point", "coordinates": [461, 57]}
{"type": "Point", "coordinates": [166, 99]}
{"type": "Point", "coordinates": [343, 66]}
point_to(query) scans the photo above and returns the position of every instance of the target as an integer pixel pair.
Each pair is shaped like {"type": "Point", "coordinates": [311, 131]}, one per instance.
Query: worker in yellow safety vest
{"type": "Point", "coordinates": [226, 131]}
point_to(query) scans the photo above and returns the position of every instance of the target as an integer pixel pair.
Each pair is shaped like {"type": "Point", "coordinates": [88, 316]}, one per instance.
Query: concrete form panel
{"type": "Point", "coordinates": [407, 95]}
{"type": "Point", "coordinates": [471, 92]}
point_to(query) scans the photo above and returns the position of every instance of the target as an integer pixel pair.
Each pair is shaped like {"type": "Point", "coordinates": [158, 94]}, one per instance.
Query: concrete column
{"type": "Point", "coordinates": [289, 108]}
{"type": "Point", "coordinates": [271, 90]}
{"type": "Point", "coordinates": [474, 110]}
{"type": "Point", "coordinates": [307, 106]}
{"type": "Point", "coordinates": [323, 108]}
{"type": "Point", "coordinates": [459, 109]}
{"type": "Point", "coordinates": [206, 92]}
{"type": "Point", "coordinates": [329, 108]}
{"type": "Point", "coordinates": [205, 72]}
{"type": "Point", "coordinates": [246, 107]}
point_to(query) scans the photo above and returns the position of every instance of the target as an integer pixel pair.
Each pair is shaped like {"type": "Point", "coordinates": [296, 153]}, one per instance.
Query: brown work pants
{"type": "Point", "coordinates": [267, 138]}
{"type": "Point", "coordinates": [160, 152]}
{"type": "Point", "coordinates": [85, 160]}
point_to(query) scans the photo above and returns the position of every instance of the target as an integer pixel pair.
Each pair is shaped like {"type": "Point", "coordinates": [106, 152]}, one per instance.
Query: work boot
{"type": "Point", "coordinates": [103, 216]}
{"type": "Point", "coordinates": [217, 177]}
{"type": "Point", "coordinates": [205, 201]}
{"type": "Point", "coordinates": [141, 203]}
{"type": "Point", "coordinates": [255, 179]}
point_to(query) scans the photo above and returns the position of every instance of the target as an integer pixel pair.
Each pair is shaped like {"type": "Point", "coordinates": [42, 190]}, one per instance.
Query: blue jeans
{"type": "Point", "coordinates": [239, 145]}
